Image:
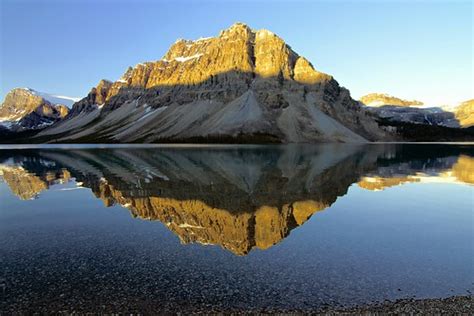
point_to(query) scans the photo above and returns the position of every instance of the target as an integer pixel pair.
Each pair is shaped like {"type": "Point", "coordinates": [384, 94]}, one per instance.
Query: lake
{"type": "Point", "coordinates": [229, 227]}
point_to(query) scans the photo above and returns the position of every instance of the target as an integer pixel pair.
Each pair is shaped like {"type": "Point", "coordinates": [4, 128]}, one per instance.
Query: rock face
{"type": "Point", "coordinates": [379, 183]}
{"type": "Point", "coordinates": [27, 185]}
{"type": "Point", "coordinates": [25, 109]}
{"type": "Point", "coordinates": [242, 84]}
{"type": "Point", "coordinates": [94, 100]}
{"type": "Point", "coordinates": [424, 116]}
{"type": "Point", "coordinates": [18, 103]}
{"type": "Point", "coordinates": [465, 113]}
{"type": "Point", "coordinates": [381, 99]}
{"type": "Point", "coordinates": [422, 123]}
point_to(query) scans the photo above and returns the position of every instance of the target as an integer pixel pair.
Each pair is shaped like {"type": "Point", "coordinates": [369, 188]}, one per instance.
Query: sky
{"type": "Point", "coordinates": [411, 49]}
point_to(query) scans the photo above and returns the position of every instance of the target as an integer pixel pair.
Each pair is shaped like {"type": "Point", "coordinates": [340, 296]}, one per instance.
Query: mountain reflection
{"type": "Point", "coordinates": [239, 197]}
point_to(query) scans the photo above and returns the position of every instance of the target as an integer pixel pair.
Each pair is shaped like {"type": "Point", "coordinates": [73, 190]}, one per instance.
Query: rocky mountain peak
{"type": "Point", "coordinates": [100, 92]}
{"type": "Point", "coordinates": [237, 27]}
{"type": "Point", "coordinates": [465, 113]}
{"type": "Point", "coordinates": [25, 108]}
{"type": "Point", "coordinates": [96, 97]}
{"type": "Point", "coordinates": [18, 103]}
{"type": "Point", "coordinates": [236, 54]}
{"type": "Point", "coordinates": [240, 82]}
{"type": "Point", "coordinates": [62, 110]}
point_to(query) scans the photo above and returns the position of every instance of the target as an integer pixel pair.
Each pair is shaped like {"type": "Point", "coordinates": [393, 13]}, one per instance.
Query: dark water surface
{"type": "Point", "coordinates": [233, 227]}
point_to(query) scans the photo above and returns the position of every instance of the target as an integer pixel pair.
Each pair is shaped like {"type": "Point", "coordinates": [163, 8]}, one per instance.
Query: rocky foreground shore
{"type": "Point", "coordinates": [455, 305]}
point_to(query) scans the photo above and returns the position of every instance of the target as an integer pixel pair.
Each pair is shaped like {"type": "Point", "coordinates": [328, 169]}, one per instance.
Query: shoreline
{"type": "Point", "coordinates": [460, 304]}
{"type": "Point", "coordinates": [9, 146]}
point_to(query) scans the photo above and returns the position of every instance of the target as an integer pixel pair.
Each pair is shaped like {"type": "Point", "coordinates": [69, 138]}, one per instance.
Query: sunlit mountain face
{"type": "Point", "coordinates": [240, 197]}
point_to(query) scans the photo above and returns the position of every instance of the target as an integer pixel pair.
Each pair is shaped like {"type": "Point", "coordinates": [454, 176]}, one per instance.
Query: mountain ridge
{"type": "Point", "coordinates": [25, 108]}
{"type": "Point", "coordinates": [397, 110]}
{"type": "Point", "coordinates": [241, 83]}
{"type": "Point", "coordinates": [381, 99]}
{"type": "Point", "coordinates": [241, 86]}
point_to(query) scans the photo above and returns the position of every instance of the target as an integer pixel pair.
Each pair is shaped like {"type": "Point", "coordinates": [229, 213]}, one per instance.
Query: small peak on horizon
{"type": "Point", "coordinates": [25, 88]}
{"type": "Point", "coordinates": [179, 40]}
{"type": "Point", "coordinates": [379, 99]}
{"type": "Point", "coordinates": [106, 80]}
{"type": "Point", "coordinates": [265, 33]}
{"type": "Point", "coordinates": [236, 26]}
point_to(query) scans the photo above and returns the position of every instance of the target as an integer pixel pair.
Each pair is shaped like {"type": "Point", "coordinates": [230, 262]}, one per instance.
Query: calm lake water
{"type": "Point", "coordinates": [143, 228]}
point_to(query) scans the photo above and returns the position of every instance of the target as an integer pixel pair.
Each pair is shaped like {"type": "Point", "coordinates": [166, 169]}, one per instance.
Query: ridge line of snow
{"type": "Point", "coordinates": [53, 98]}
{"type": "Point", "coordinates": [182, 59]}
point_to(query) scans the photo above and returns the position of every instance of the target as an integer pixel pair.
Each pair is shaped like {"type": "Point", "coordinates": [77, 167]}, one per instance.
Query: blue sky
{"type": "Point", "coordinates": [412, 49]}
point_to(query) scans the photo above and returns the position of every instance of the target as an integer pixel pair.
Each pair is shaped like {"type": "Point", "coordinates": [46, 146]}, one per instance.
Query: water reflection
{"type": "Point", "coordinates": [238, 197]}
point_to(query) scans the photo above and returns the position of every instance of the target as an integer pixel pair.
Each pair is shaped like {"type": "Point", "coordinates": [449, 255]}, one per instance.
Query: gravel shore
{"type": "Point", "coordinates": [455, 305]}
{"type": "Point", "coordinates": [459, 305]}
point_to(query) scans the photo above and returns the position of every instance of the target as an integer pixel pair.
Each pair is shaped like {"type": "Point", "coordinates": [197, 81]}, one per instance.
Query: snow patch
{"type": "Point", "coordinates": [183, 59]}
{"type": "Point", "coordinates": [71, 189]}
{"type": "Point", "coordinates": [376, 103]}
{"type": "Point", "coordinates": [203, 39]}
{"type": "Point", "coordinates": [54, 99]}
{"type": "Point", "coordinates": [186, 225]}
{"type": "Point", "coordinates": [149, 111]}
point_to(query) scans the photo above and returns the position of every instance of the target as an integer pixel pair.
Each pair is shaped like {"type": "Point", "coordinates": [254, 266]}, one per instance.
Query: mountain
{"type": "Point", "coordinates": [242, 85]}
{"type": "Point", "coordinates": [381, 99]}
{"type": "Point", "coordinates": [27, 109]}
{"type": "Point", "coordinates": [425, 116]}
{"type": "Point", "coordinates": [464, 113]}
{"type": "Point", "coordinates": [460, 116]}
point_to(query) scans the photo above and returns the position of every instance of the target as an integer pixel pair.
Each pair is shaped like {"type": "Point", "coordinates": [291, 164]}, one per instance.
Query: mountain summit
{"type": "Point", "coordinates": [242, 85]}
{"type": "Point", "coordinates": [25, 108]}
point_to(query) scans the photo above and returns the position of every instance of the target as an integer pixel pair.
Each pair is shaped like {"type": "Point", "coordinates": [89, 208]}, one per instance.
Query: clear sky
{"type": "Point", "coordinates": [411, 49]}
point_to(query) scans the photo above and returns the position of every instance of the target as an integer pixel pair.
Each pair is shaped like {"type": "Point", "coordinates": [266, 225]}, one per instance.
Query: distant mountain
{"type": "Point", "coordinates": [243, 85]}
{"type": "Point", "coordinates": [381, 99]}
{"type": "Point", "coordinates": [27, 109]}
{"type": "Point", "coordinates": [425, 116]}
{"type": "Point", "coordinates": [460, 116]}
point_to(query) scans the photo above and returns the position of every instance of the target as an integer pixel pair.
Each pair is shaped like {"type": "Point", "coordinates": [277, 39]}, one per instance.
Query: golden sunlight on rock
{"type": "Point", "coordinates": [463, 169]}
{"type": "Point", "coordinates": [379, 183]}
{"type": "Point", "coordinates": [22, 183]}
{"type": "Point", "coordinates": [27, 185]}
{"type": "Point", "coordinates": [232, 198]}
{"type": "Point", "coordinates": [465, 113]}
{"type": "Point", "coordinates": [305, 73]}
{"type": "Point", "coordinates": [194, 221]}
{"type": "Point", "coordinates": [302, 210]}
